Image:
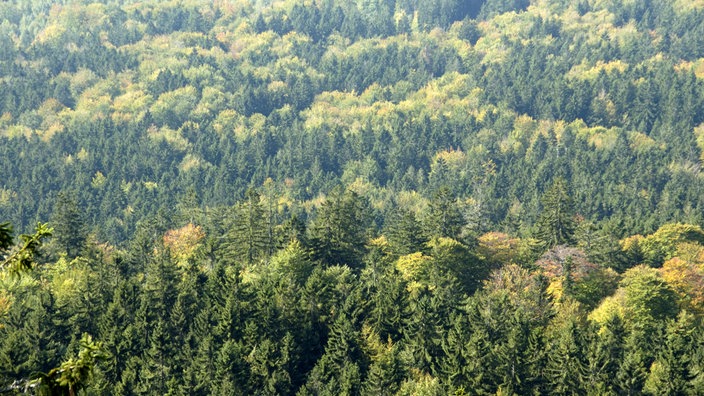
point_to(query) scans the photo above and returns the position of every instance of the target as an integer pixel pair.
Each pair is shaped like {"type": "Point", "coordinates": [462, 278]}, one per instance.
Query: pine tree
{"type": "Point", "coordinates": [231, 370]}
{"type": "Point", "coordinates": [632, 371]}
{"type": "Point", "coordinates": [188, 209]}
{"type": "Point", "coordinates": [338, 371]}
{"type": "Point", "coordinates": [388, 306]}
{"type": "Point", "coordinates": [604, 354]}
{"type": "Point", "coordinates": [385, 373]}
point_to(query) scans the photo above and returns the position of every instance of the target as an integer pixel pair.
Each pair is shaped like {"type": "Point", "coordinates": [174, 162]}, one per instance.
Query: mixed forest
{"type": "Point", "coordinates": [367, 197]}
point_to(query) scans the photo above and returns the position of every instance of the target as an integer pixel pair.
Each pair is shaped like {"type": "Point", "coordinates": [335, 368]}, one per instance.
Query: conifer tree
{"type": "Point", "coordinates": [385, 373]}
{"type": "Point", "coordinates": [70, 231]}
{"type": "Point", "coordinates": [404, 233]}
{"type": "Point", "coordinates": [604, 354]}
{"type": "Point", "coordinates": [556, 224]}
{"type": "Point", "coordinates": [339, 233]}
{"type": "Point", "coordinates": [246, 241]}
{"type": "Point", "coordinates": [670, 373]}
{"type": "Point", "coordinates": [632, 371]}
{"type": "Point", "coordinates": [566, 358]}
{"type": "Point", "coordinates": [444, 218]}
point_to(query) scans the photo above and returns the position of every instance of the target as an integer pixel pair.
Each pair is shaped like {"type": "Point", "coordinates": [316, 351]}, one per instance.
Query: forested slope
{"type": "Point", "coordinates": [371, 197]}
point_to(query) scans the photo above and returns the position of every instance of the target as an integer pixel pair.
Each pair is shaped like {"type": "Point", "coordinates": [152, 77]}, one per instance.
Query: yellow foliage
{"type": "Point", "coordinates": [598, 137]}
{"type": "Point", "coordinates": [132, 106]}
{"type": "Point", "coordinates": [5, 304]}
{"type": "Point", "coordinates": [421, 384]}
{"type": "Point", "coordinates": [226, 121]}
{"type": "Point", "coordinates": [498, 248]}
{"type": "Point", "coordinates": [555, 290]}
{"type": "Point", "coordinates": [585, 71]}
{"type": "Point", "coordinates": [610, 306]}
{"type": "Point", "coordinates": [685, 273]}
{"type": "Point", "coordinates": [55, 128]}
{"type": "Point", "coordinates": [52, 32]}
{"type": "Point", "coordinates": [684, 6]}
{"type": "Point", "coordinates": [411, 200]}
{"type": "Point", "coordinates": [454, 158]}
{"type": "Point", "coordinates": [98, 180]}
{"type": "Point", "coordinates": [82, 154]}
{"type": "Point", "coordinates": [16, 131]}
{"type": "Point", "coordinates": [184, 242]}
{"type": "Point", "coordinates": [414, 266]}
{"type": "Point", "coordinates": [191, 161]}
{"type": "Point", "coordinates": [699, 134]}
{"type": "Point", "coordinates": [69, 279]}
{"type": "Point", "coordinates": [641, 142]}
{"type": "Point", "coordinates": [631, 243]}
{"type": "Point", "coordinates": [169, 135]}
{"type": "Point", "coordinates": [6, 197]}
{"type": "Point", "coordinates": [180, 102]}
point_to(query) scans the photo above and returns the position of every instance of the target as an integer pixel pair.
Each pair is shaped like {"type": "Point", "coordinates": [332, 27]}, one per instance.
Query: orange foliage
{"type": "Point", "coordinates": [184, 242]}
{"type": "Point", "coordinates": [498, 248]}
{"type": "Point", "coordinates": [685, 273]}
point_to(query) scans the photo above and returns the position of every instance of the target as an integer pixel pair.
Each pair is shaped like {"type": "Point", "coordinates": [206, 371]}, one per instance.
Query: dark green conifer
{"type": "Point", "coordinates": [556, 224]}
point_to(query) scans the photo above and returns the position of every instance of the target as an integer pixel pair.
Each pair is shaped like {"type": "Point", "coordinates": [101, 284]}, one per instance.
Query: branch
{"type": "Point", "coordinates": [23, 258]}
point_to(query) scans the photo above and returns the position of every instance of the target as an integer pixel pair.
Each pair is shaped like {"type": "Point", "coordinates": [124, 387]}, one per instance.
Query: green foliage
{"type": "Point", "coordinates": [73, 374]}
{"type": "Point", "coordinates": [662, 244]}
{"type": "Point", "coordinates": [648, 299]}
{"type": "Point", "coordinates": [5, 236]}
{"type": "Point", "coordinates": [305, 197]}
{"type": "Point", "coordinates": [556, 225]}
{"type": "Point", "coordinates": [69, 226]}
{"type": "Point", "coordinates": [22, 258]}
{"type": "Point", "coordinates": [246, 241]}
{"type": "Point", "coordinates": [339, 234]}
{"type": "Point", "coordinates": [444, 218]}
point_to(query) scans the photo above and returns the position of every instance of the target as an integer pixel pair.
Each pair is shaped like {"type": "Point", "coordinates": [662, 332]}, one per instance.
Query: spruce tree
{"type": "Point", "coordinates": [566, 357]}
{"type": "Point", "coordinates": [70, 231]}
{"type": "Point", "coordinates": [404, 233]}
{"type": "Point", "coordinates": [339, 233]}
{"type": "Point", "coordinates": [443, 218]}
{"type": "Point", "coordinates": [556, 224]}
{"type": "Point", "coordinates": [246, 241]}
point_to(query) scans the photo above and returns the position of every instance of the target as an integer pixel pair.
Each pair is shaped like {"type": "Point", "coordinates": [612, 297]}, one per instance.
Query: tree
{"type": "Point", "coordinates": [648, 299]}
{"type": "Point", "coordinates": [22, 258]}
{"type": "Point", "coordinates": [404, 232]}
{"type": "Point", "coordinates": [670, 373]}
{"type": "Point", "coordinates": [247, 239]}
{"type": "Point", "coordinates": [339, 233]}
{"type": "Point", "coordinates": [556, 224]}
{"type": "Point", "coordinates": [566, 357]}
{"type": "Point", "coordinates": [444, 218]}
{"type": "Point", "coordinates": [69, 226]}
{"type": "Point", "coordinates": [73, 374]}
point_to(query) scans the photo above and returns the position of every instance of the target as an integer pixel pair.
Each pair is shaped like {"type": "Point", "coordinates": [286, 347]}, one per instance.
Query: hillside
{"type": "Point", "coordinates": [372, 197]}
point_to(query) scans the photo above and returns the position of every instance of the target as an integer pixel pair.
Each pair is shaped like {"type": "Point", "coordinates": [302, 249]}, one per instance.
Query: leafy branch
{"type": "Point", "coordinates": [22, 258]}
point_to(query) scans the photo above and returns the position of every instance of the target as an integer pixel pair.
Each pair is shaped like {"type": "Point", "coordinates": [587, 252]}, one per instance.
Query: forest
{"type": "Point", "coordinates": [367, 197]}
